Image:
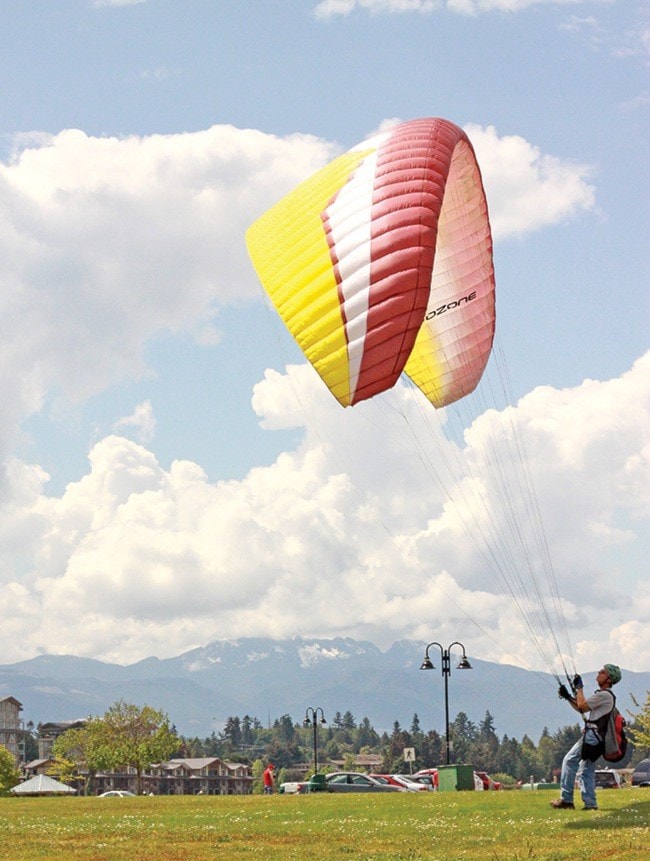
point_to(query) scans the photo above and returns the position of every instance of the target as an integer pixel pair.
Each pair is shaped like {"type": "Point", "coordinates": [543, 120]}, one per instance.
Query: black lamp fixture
{"type": "Point", "coordinates": [463, 664]}
{"type": "Point", "coordinates": [311, 719]}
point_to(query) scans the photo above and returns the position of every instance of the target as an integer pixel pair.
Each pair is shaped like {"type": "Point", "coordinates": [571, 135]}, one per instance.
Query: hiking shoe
{"type": "Point", "coordinates": [558, 804]}
{"type": "Point", "coordinates": [589, 808]}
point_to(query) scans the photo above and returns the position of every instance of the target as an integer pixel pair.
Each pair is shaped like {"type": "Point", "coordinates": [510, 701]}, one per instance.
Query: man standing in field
{"type": "Point", "coordinates": [268, 779]}
{"type": "Point", "coordinates": [581, 759]}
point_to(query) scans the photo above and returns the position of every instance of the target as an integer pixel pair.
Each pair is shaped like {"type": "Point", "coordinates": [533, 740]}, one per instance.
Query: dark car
{"type": "Point", "coordinates": [346, 781]}
{"type": "Point", "coordinates": [641, 774]}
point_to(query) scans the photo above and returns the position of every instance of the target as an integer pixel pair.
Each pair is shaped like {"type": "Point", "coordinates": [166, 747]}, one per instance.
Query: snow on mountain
{"type": "Point", "coordinates": [267, 678]}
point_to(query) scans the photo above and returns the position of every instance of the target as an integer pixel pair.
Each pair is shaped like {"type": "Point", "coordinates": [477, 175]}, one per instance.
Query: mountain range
{"type": "Point", "coordinates": [267, 678]}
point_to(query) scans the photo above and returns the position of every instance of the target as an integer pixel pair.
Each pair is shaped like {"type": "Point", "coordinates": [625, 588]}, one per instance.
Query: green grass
{"type": "Point", "coordinates": [404, 827]}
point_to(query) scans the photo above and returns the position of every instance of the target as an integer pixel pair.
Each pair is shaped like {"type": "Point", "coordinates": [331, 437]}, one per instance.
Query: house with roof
{"type": "Point", "coordinates": [38, 766]}
{"type": "Point", "coordinates": [370, 762]}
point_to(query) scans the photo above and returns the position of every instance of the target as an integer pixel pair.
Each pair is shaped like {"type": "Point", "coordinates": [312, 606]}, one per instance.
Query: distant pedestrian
{"type": "Point", "coordinates": [580, 761]}
{"type": "Point", "coordinates": [268, 779]}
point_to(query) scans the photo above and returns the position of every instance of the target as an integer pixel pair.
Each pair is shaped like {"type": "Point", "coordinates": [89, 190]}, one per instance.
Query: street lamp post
{"type": "Point", "coordinates": [313, 721]}
{"type": "Point", "coordinates": [463, 664]}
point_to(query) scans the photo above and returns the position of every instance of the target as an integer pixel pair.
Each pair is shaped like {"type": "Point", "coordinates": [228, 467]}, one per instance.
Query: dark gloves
{"type": "Point", "coordinates": [563, 693]}
{"type": "Point", "coordinates": [577, 683]}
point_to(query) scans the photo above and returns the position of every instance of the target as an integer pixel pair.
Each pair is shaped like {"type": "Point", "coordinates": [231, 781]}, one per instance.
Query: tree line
{"type": "Point", "coordinates": [289, 745]}
{"type": "Point", "coordinates": [139, 736]}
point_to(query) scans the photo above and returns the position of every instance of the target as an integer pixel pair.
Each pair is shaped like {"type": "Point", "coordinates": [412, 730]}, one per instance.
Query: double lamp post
{"type": "Point", "coordinates": [464, 664]}
{"type": "Point", "coordinates": [311, 719]}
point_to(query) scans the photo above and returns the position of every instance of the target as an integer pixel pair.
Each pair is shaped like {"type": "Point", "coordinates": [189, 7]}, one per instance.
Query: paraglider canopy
{"type": "Point", "coordinates": [381, 263]}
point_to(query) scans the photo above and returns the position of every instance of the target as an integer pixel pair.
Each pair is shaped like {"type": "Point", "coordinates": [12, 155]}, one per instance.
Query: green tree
{"type": "Point", "coordinates": [138, 736]}
{"type": "Point", "coordinates": [510, 759]}
{"type": "Point", "coordinates": [285, 729]}
{"type": "Point", "coordinates": [547, 754]}
{"type": "Point", "coordinates": [393, 754]}
{"type": "Point", "coordinates": [67, 770]}
{"type": "Point", "coordinates": [484, 752]}
{"type": "Point", "coordinates": [247, 737]}
{"type": "Point", "coordinates": [332, 750]}
{"type": "Point", "coordinates": [86, 747]}
{"type": "Point", "coordinates": [365, 736]}
{"type": "Point", "coordinates": [31, 743]}
{"type": "Point", "coordinates": [486, 731]}
{"type": "Point", "coordinates": [639, 730]}
{"type": "Point", "coordinates": [430, 750]}
{"type": "Point", "coordinates": [191, 747]}
{"type": "Point", "coordinates": [232, 733]}
{"type": "Point", "coordinates": [283, 754]}
{"type": "Point", "coordinates": [416, 731]}
{"type": "Point", "coordinates": [563, 739]}
{"type": "Point", "coordinates": [529, 759]}
{"type": "Point", "coordinates": [348, 721]}
{"type": "Point", "coordinates": [463, 734]}
{"type": "Point", "coordinates": [350, 762]}
{"type": "Point", "coordinates": [258, 770]}
{"type": "Point", "coordinates": [212, 745]}
{"type": "Point", "coordinates": [9, 773]}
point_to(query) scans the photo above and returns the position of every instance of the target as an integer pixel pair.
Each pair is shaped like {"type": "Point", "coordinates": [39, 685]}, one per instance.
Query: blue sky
{"type": "Point", "coordinates": [167, 480]}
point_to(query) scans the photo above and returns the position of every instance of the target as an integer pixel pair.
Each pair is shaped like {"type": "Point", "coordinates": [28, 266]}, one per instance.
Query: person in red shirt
{"type": "Point", "coordinates": [268, 779]}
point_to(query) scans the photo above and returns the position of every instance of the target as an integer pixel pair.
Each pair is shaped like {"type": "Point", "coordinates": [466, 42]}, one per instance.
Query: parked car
{"type": "Point", "coordinates": [399, 780]}
{"type": "Point", "coordinates": [486, 780]}
{"type": "Point", "coordinates": [428, 775]}
{"type": "Point", "coordinates": [290, 787]}
{"type": "Point", "coordinates": [425, 780]}
{"type": "Point", "coordinates": [347, 781]}
{"type": "Point", "coordinates": [117, 793]}
{"type": "Point", "coordinates": [607, 779]}
{"type": "Point", "coordinates": [641, 774]}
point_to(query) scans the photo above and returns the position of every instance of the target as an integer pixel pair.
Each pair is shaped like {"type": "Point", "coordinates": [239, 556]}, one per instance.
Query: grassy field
{"type": "Point", "coordinates": [400, 827]}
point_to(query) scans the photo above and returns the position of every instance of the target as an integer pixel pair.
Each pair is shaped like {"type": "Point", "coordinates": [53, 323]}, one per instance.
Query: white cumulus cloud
{"type": "Point", "coordinates": [346, 534]}
{"type": "Point", "coordinates": [142, 420]}
{"type": "Point", "coordinates": [526, 188]}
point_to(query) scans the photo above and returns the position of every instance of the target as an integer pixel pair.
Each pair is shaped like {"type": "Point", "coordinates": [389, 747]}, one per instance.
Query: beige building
{"type": "Point", "coordinates": [49, 732]}
{"type": "Point", "coordinates": [12, 734]}
{"type": "Point", "coordinates": [206, 775]}
{"type": "Point", "coordinates": [199, 776]}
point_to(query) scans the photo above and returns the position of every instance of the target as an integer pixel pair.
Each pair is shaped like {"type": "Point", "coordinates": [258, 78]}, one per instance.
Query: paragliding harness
{"type": "Point", "coordinates": [609, 729]}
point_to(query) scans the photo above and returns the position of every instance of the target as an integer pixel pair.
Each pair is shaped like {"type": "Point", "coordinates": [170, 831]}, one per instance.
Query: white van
{"type": "Point", "coordinates": [606, 778]}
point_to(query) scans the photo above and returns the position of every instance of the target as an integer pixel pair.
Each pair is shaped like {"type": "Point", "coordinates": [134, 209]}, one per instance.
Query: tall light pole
{"type": "Point", "coordinates": [464, 664]}
{"type": "Point", "coordinates": [313, 721]}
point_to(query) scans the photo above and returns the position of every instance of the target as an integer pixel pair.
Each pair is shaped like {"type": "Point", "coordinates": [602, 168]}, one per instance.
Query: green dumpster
{"type": "Point", "coordinates": [455, 777]}
{"type": "Point", "coordinates": [316, 783]}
